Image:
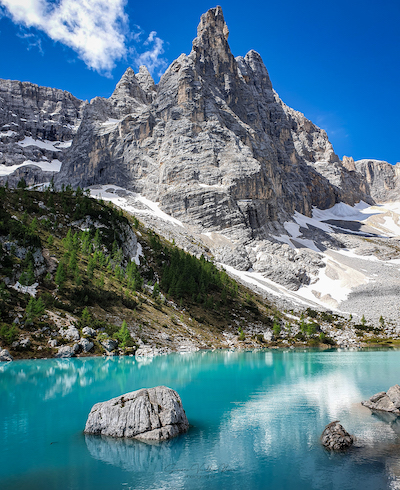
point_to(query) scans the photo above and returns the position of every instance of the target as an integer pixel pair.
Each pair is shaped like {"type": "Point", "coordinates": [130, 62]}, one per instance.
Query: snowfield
{"type": "Point", "coordinates": [354, 278]}
{"type": "Point", "coordinates": [53, 166]}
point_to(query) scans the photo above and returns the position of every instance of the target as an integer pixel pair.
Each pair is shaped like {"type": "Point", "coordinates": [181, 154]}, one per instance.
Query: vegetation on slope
{"type": "Point", "coordinates": [75, 254]}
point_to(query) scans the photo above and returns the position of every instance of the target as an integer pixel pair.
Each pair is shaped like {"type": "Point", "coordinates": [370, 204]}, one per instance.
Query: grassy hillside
{"type": "Point", "coordinates": [69, 261]}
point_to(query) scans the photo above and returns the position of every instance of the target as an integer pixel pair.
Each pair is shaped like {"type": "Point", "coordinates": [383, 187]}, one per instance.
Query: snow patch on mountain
{"type": "Point", "coordinates": [53, 166]}
{"type": "Point", "coordinates": [131, 202]}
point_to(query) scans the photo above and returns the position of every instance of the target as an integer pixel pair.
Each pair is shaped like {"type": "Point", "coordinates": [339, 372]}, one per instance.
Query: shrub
{"type": "Point", "coordinates": [8, 334]}
{"type": "Point", "coordinates": [312, 313]}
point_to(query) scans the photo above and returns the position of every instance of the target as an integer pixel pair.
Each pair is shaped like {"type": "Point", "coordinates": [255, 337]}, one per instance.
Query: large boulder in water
{"type": "Point", "coordinates": [154, 414]}
{"type": "Point", "coordinates": [336, 438]}
{"type": "Point", "coordinates": [385, 401]}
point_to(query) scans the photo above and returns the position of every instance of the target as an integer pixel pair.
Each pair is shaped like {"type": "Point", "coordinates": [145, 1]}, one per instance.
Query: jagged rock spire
{"type": "Point", "coordinates": [129, 86]}
{"type": "Point", "coordinates": [210, 47]}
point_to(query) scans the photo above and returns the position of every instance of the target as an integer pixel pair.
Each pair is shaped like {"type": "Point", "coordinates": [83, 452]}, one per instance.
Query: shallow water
{"type": "Point", "coordinates": [256, 419]}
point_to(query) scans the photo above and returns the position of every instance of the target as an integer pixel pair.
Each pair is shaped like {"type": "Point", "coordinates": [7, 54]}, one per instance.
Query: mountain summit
{"type": "Point", "coordinates": [212, 129]}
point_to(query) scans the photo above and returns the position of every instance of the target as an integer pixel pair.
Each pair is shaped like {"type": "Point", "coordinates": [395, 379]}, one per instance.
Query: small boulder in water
{"type": "Point", "coordinates": [336, 438]}
{"type": "Point", "coordinates": [154, 414]}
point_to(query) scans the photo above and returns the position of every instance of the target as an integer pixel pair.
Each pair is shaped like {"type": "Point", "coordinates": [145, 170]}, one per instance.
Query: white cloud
{"type": "Point", "coordinates": [95, 29]}
{"type": "Point", "coordinates": [152, 58]}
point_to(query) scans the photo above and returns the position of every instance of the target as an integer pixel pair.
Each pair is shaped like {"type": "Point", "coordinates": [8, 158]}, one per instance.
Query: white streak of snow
{"type": "Point", "coordinates": [53, 166]}
{"type": "Point", "coordinates": [45, 144]}
{"type": "Point", "coordinates": [101, 192]}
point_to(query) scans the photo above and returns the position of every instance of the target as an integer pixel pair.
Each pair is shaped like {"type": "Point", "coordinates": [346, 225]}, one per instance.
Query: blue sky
{"type": "Point", "coordinates": [338, 61]}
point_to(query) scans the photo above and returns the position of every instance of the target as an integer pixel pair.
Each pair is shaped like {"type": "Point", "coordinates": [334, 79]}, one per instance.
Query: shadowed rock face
{"type": "Point", "coordinates": [336, 438]}
{"type": "Point", "coordinates": [42, 113]}
{"type": "Point", "coordinates": [211, 135]}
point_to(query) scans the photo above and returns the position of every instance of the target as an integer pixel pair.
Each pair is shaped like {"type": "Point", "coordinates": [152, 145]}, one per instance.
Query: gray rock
{"type": "Point", "coordinates": [154, 414]}
{"type": "Point", "coordinates": [335, 438]}
{"type": "Point", "coordinates": [381, 180]}
{"type": "Point", "coordinates": [86, 345]}
{"type": "Point", "coordinates": [5, 356]}
{"type": "Point", "coordinates": [394, 395]}
{"type": "Point", "coordinates": [109, 344]}
{"type": "Point", "coordinates": [88, 331]}
{"type": "Point", "coordinates": [41, 113]}
{"type": "Point", "coordinates": [385, 401]}
{"type": "Point", "coordinates": [65, 351]}
{"type": "Point", "coordinates": [268, 336]}
{"type": "Point", "coordinates": [52, 342]}
{"type": "Point", "coordinates": [71, 333]}
{"type": "Point", "coordinates": [25, 343]}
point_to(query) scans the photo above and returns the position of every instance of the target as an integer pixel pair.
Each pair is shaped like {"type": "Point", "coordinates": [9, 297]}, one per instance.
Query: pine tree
{"type": "Point", "coordinates": [86, 318]}
{"type": "Point", "coordinates": [60, 276]}
{"type": "Point", "coordinates": [123, 334]}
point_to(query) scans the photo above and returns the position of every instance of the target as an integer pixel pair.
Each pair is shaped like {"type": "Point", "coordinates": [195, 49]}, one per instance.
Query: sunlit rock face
{"type": "Point", "coordinates": [154, 414]}
{"type": "Point", "coordinates": [212, 142]}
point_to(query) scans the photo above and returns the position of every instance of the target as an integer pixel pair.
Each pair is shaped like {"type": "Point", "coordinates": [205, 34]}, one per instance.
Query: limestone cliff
{"type": "Point", "coordinates": [212, 142]}
{"type": "Point", "coordinates": [37, 124]}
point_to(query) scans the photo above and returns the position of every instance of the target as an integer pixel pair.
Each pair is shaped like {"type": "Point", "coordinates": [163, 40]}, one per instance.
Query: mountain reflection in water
{"type": "Point", "coordinates": [256, 419]}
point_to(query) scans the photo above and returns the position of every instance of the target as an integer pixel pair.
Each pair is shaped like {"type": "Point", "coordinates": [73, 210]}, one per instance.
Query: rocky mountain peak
{"type": "Point", "coordinates": [146, 83]}
{"type": "Point", "coordinates": [210, 48]}
{"type": "Point", "coordinates": [128, 93]}
{"type": "Point", "coordinates": [213, 22]}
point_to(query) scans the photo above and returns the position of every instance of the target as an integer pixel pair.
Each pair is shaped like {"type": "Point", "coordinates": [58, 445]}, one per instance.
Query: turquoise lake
{"type": "Point", "coordinates": [256, 419]}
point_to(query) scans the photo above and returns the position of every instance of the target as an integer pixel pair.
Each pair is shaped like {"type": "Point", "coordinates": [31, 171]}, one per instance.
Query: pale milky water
{"type": "Point", "coordinates": [256, 419]}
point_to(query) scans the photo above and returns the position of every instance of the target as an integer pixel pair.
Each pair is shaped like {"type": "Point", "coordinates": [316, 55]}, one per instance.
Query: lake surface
{"type": "Point", "coordinates": [256, 419]}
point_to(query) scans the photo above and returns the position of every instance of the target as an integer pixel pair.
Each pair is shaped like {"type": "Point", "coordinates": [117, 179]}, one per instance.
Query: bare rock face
{"type": "Point", "coordinates": [385, 401]}
{"type": "Point", "coordinates": [37, 125]}
{"type": "Point", "coordinates": [214, 131]}
{"type": "Point", "coordinates": [336, 438]}
{"type": "Point", "coordinates": [154, 414]}
{"type": "Point", "coordinates": [381, 179]}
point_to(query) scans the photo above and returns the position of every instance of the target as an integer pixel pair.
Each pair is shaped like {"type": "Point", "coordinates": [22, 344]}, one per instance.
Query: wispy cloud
{"type": "Point", "coordinates": [152, 57]}
{"type": "Point", "coordinates": [97, 30]}
{"type": "Point", "coordinates": [33, 41]}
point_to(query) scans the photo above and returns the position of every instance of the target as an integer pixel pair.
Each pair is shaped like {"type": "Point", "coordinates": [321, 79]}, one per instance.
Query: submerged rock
{"type": "Point", "coordinates": [335, 437]}
{"type": "Point", "coordinates": [154, 414]}
{"type": "Point", "coordinates": [385, 401]}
